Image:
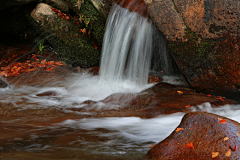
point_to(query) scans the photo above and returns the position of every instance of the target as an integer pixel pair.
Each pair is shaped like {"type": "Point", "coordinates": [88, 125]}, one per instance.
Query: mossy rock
{"type": "Point", "coordinates": [74, 47]}
{"type": "Point", "coordinates": [90, 17]}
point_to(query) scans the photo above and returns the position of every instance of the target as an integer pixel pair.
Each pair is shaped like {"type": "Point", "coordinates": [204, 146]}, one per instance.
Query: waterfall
{"type": "Point", "coordinates": [127, 47]}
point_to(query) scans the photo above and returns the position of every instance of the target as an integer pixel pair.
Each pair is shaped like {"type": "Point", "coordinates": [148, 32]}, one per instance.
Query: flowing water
{"type": "Point", "coordinates": [52, 121]}
{"type": "Point", "coordinates": [127, 47]}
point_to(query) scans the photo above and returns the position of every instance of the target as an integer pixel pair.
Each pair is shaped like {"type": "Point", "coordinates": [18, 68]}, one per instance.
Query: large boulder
{"type": "Point", "coordinates": [73, 41]}
{"type": "Point", "coordinates": [59, 4]}
{"type": "Point", "coordinates": [203, 37]}
{"type": "Point", "coordinates": [103, 6]}
{"type": "Point", "coordinates": [200, 136]}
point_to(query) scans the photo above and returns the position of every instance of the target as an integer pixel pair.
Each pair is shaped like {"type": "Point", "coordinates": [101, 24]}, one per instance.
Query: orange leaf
{"type": "Point", "coordinates": [179, 92]}
{"type": "Point", "coordinates": [238, 134]}
{"type": "Point", "coordinates": [51, 62]}
{"type": "Point", "coordinates": [3, 73]}
{"type": "Point", "coordinates": [223, 121]}
{"type": "Point", "coordinates": [152, 145]}
{"type": "Point", "coordinates": [67, 17]}
{"type": "Point", "coordinates": [235, 148]}
{"type": "Point", "coordinates": [187, 106]}
{"type": "Point", "coordinates": [190, 145]}
{"type": "Point", "coordinates": [209, 95]}
{"type": "Point", "coordinates": [226, 138]}
{"type": "Point", "coordinates": [228, 153]}
{"type": "Point", "coordinates": [58, 63]}
{"type": "Point", "coordinates": [220, 98]}
{"type": "Point", "coordinates": [178, 129]}
{"type": "Point", "coordinates": [83, 30]}
{"type": "Point", "coordinates": [215, 154]}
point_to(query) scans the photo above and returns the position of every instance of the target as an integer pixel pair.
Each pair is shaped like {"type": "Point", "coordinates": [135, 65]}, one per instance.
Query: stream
{"type": "Point", "coordinates": [46, 121]}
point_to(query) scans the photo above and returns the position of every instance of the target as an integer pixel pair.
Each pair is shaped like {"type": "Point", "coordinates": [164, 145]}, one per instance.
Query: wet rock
{"type": "Point", "coordinates": [166, 18]}
{"type": "Point", "coordinates": [42, 11]}
{"type": "Point", "coordinates": [103, 6]}
{"type": "Point", "coordinates": [91, 17]}
{"type": "Point", "coordinates": [210, 66]}
{"type": "Point", "coordinates": [48, 93]}
{"type": "Point", "coordinates": [154, 79]}
{"type": "Point", "coordinates": [3, 83]}
{"type": "Point", "coordinates": [74, 44]}
{"type": "Point", "coordinates": [161, 99]}
{"type": "Point", "coordinates": [201, 136]}
{"type": "Point", "coordinates": [134, 6]}
{"type": "Point", "coordinates": [59, 4]}
{"type": "Point", "coordinates": [94, 70]}
{"type": "Point", "coordinates": [206, 45]}
{"type": "Point", "coordinates": [210, 18]}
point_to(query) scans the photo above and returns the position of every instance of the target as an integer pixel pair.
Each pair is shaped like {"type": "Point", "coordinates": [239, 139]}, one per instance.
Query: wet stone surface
{"type": "Point", "coordinates": [208, 133]}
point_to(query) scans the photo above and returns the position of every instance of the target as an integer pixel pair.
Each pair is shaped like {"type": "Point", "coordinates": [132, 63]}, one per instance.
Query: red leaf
{"type": "Point", "coordinates": [223, 121]}
{"type": "Point", "coordinates": [178, 129]}
{"type": "Point", "coordinates": [190, 145]}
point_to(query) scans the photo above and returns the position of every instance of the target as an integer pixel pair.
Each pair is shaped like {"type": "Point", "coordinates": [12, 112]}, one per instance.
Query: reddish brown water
{"type": "Point", "coordinates": [134, 6]}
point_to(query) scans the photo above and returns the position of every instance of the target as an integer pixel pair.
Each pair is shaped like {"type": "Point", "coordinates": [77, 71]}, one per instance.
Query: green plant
{"type": "Point", "coordinates": [41, 47]}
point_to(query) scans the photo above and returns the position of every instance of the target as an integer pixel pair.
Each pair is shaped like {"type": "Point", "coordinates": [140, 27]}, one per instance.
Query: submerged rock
{"type": "Point", "coordinates": [201, 136]}
{"type": "Point", "coordinates": [3, 83]}
{"type": "Point", "coordinates": [160, 99]}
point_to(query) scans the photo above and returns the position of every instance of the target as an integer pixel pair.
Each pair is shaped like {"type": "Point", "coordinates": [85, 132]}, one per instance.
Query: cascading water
{"type": "Point", "coordinates": [127, 47]}
{"type": "Point", "coordinates": [48, 120]}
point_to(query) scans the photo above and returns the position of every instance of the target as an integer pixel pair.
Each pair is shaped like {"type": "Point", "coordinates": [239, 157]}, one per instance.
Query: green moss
{"type": "Point", "coordinates": [190, 35]}
{"type": "Point", "coordinates": [193, 48]}
{"type": "Point", "coordinates": [72, 46]}
{"type": "Point", "coordinates": [90, 17]}
{"type": "Point", "coordinates": [205, 46]}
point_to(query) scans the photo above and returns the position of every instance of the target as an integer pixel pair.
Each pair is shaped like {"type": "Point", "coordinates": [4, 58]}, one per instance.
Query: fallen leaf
{"type": "Point", "coordinates": [238, 134]}
{"type": "Point", "coordinates": [179, 92]}
{"type": "Point", "coordinates": [226, 138]}
{"type": "Point", "coordinates": [215, 154]}
{"type": "Point", "coordinates": [188, 106]}
{"type": "Point", "coordinates": [83, 30]}
{"type": "Point", "coordinates": [152, 145]}
{"type": "Point", "coordinates": [223, 121]}
{"type": "Point", "coordinates": [178, 129]}
{"type": "Point", "coordinates": [228, 153]}
{"type": "Point", "coordinates": [220, 119]}
{"type": "Point", "coordinates": [209, 95]}
{"type": "Point", "coordinates": [220, 98]}
{"type": "Point", "coordinates": [235, 148]}
{"type": "Point", "coordinates": [190, 145]}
